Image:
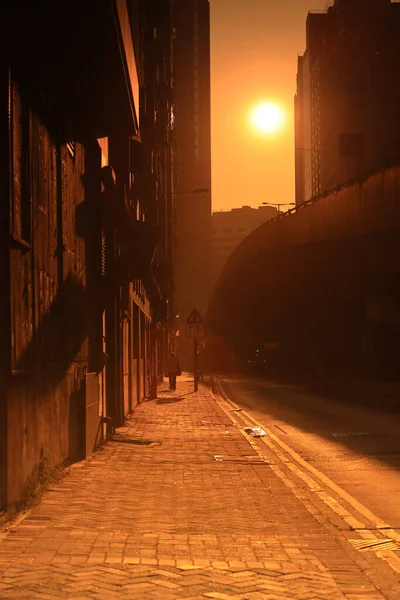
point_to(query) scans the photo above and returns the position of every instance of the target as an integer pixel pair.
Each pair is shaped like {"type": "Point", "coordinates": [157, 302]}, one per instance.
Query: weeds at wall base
{"type": "Point", "coordinates": [47, 476]}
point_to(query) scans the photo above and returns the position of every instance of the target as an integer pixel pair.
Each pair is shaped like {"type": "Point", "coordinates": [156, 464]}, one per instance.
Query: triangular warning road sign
{"type": "Point", "coordinates": [194, 317]}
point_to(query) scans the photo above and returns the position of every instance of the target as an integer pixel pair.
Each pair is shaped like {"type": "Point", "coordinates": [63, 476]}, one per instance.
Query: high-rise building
{"type": "Point", "coordinates": [192, 193]}
{"type": "Point", "coordinates": [347, 120]}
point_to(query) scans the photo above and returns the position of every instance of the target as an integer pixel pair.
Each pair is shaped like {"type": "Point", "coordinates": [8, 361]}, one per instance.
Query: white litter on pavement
{"type": "Point", "coordinates": [255, 432]}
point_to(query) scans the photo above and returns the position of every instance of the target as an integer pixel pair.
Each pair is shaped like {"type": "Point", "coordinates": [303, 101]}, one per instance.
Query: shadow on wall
{"type": "Point", "coordinates": [47, 392]}
{"type": "Point", "coordinates": [59, 337]}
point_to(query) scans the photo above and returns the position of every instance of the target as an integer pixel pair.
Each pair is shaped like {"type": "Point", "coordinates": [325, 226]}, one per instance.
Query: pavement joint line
{"type": "Point", "coordinates": [388, 556]}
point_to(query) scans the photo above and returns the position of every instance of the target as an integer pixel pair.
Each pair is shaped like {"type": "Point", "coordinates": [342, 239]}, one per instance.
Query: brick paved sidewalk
{"type": "Point", "coordinates": [154, 515]}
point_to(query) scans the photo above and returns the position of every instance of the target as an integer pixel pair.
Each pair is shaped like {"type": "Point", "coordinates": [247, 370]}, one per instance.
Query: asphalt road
{"type": "Point", "coordinates": [358, 448]}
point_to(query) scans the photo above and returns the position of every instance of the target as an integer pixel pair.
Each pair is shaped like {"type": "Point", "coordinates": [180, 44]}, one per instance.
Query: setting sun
{"type": "Point", "coordinates": [267, 118]}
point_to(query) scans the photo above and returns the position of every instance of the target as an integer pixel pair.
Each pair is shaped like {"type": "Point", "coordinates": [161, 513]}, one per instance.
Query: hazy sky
{"type": "Point", "coordinates": [254, 48]}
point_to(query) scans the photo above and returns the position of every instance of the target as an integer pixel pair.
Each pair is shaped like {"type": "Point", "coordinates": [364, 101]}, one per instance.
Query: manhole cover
{"type": "Point", "coordinates": [241, 459]}
{"type": "Point", "coordinates": [375, 545]}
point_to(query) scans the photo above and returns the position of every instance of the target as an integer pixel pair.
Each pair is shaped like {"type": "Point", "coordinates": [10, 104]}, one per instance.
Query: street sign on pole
{"type": "Point", "coordinates": [195, 331]}
{"type": "Point", "coordinates": [194, 326]}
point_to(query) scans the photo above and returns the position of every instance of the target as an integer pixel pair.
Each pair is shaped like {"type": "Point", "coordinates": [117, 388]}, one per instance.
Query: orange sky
{"type": "Point", "coordinates": [254, 48]}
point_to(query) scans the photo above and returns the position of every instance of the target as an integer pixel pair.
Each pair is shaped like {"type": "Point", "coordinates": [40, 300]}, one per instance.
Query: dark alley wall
{"type": "Point", "coordinates": [87, 163]}
{"type": "Point", "coordinates": [48, 282]}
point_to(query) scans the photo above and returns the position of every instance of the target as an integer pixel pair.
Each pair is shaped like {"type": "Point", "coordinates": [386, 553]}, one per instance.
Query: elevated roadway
{"type": "Point", "coordinates": [321, 282]}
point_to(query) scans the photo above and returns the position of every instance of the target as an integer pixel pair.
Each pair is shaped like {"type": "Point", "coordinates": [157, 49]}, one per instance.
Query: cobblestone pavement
{"type": "Point", "coordinates": [155, 515]}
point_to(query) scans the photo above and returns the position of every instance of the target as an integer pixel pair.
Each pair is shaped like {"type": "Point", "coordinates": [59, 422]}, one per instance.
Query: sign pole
{"type": "Point", "coordinates": [194, 331]}
{"type": "Point", "coordinates": [195, 365]}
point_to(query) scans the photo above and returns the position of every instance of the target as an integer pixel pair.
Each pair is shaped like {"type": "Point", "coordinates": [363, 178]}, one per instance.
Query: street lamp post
{"type": "Point", "coordinates": [279, 204]}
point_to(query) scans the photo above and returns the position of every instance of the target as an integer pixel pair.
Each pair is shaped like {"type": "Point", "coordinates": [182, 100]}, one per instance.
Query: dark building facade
{"type": "Point", "coordinates": [192, 193]}
{"type": "Point", "coordinates": [86, 248]}
{"type": "Point", "coordinates": [347, 122]}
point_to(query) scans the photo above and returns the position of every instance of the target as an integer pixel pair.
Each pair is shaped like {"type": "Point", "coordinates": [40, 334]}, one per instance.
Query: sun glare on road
{"type": "Point", "coordinates": [267, 118]}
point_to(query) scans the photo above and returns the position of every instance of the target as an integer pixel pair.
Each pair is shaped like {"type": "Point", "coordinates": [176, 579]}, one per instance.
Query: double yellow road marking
{"type": "Point", "coordinates": [316, 481]}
